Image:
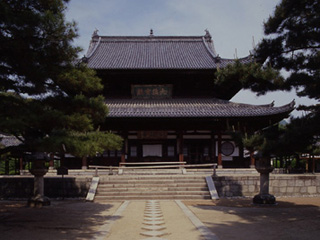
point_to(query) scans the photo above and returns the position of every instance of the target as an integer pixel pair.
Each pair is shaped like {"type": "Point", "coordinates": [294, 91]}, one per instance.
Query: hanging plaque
{"type": "Point", "coordinates": [152, 135]}
{"type": "Point", "coordinates": [151, 91]}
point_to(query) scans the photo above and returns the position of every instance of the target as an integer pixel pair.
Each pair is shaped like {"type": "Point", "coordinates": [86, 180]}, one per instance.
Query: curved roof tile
{"type": "Point", "coordinates": [171, 108]}
{"type": "Point", "coordinates": [154, 52]}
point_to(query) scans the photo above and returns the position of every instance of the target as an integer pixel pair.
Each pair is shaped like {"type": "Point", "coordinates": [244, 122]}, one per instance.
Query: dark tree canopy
{"type": "Point", "coordinates": [48, 99]}
{"type": "Point", "coordinates": [35, 45]}
{"type": "Point", "coordinates": [253, 76]}
{"type": "Point", "coordinates": [292, 43]}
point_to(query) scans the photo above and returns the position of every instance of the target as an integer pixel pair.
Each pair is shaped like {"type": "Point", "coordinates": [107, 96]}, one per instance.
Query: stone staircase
{"type": "Point", "coordinates": [146, 187]}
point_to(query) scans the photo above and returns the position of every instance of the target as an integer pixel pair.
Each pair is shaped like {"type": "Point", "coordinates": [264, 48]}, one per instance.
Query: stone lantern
{"type": "Point", "coordinates": [38, 170]}
{"type": "Point", "coordinates": [264, 167]}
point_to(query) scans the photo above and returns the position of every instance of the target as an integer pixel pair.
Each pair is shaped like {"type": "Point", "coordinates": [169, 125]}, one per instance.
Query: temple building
{"type": "Point", "coordinates": [163, 101]}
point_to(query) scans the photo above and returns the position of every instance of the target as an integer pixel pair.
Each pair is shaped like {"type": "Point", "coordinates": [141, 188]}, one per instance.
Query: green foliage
{"type": "Point", "coordinates": [253, 142]}
{"type": "Point", "coordinates": [82, 144]}
{"type": "Point", "coordinates": [8, 166]}
{"type": "Point", "coordinates": [293, 44]}
{"type": "Point", "coordinates": [79, 80]}
{"type": "Point", "coordinates": [266, 142]}
{"type": "Point", "coordinates": [252, 76]}
{"type": "Point", "coordinates": [35, 45]}
{"type": "Point", "coordinates": [48, 100]}
{"type": "Point", "coordinates": [92, 143]}
{"type": "Point", "coordinates": [292, 140]}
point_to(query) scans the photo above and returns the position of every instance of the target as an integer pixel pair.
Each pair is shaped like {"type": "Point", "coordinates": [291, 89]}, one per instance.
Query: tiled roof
{"type": "Point", "coordinates": [154, 52]}
{"type": "Point", "coordinates": [8, 141]}
{"type": "Point", "coordinates": [176, 108]}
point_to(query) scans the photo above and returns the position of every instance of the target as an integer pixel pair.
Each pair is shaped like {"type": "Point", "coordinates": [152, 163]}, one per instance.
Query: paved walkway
{"type": "Point", "coordinates": [154, 220]}
{"type": "Point", "coordinates": [292, 218]}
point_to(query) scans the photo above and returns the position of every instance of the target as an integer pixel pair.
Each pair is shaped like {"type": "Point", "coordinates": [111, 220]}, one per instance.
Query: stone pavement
{"type": "Point", "coordinates": [292, 218]}
{"type": "Point", "coordinates": [154, 219]}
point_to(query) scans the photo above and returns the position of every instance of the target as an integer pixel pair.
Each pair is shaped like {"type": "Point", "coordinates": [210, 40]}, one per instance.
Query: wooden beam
{"type": "Point", "coordinates": [180, 146]}
{"type": "Point", "coordinates": [219, 150]}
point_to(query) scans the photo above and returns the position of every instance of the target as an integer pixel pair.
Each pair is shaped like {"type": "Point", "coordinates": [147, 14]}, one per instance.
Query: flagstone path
{"type": "Point", "coordinates": [155, 219]}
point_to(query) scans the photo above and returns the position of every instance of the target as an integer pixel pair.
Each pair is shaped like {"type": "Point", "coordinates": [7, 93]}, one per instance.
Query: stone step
{"type": "Point", "coordinates": [154, 193]}
{"type": "Point", "coordinates": [158, 179]}
{"type": "Point", "coordinates": [152, 182]}
{"type": "Point", "coordinates": [135, 185]}
{"type": "Point", "coordinates": [151, 179]}
{"type": "Point", "coordinates": [119, 179]}
{"type": "Point", "coordinates": [152, 187]}
{"type": "Point", "coordinates": [155, 197]}
{"type": "Point", "coordinates": [164, 188]}
{"type": "Point", "coordinates": [154, 176]}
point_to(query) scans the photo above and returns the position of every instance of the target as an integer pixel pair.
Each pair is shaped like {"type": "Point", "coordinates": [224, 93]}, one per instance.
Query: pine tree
{"type": "Point", "coordinates": [292, 43]}
{"type": "Point", "coordinates": [252, 75]}
{"type": "Point", "coordinates": [48, 99]}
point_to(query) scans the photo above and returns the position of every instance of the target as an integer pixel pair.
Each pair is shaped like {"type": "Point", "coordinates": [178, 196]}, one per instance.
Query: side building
{"type": "Point", "coordinates": [163, 101]}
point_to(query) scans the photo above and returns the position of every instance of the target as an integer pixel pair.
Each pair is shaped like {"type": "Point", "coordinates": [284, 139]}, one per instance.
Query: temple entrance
{"type": "Point", "coordinates": [152, 150]}
{"type": "Point", "coordinates": [196, 151]}
{"type": "Point", "coordinates": [196, 154]}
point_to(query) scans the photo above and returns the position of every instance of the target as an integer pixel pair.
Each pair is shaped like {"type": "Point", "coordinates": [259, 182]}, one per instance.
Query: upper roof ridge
{"type": "Point", "coordinates": [93, 47]}
{"type": "Point", "coordinates": [147, 38]}
{"type": "Point", "coordinates": [154, 52]}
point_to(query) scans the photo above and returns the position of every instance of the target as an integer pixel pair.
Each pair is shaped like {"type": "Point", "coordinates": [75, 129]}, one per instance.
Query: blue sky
{"type": "Point", "coordinates": [233, 25]}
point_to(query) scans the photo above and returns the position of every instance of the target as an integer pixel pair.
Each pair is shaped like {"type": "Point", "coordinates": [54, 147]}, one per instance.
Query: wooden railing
{"type": "Point", "coordinates": [153, 165]}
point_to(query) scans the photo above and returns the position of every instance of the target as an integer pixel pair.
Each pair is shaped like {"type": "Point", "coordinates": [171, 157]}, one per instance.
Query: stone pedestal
{"type": "Point", "coordinates": [264, 168]}
{"type": "Point", "coordinates": [84, 163]}
{"type": "Point", "coordinates": [252, 160]}
{"type": "Point", "coordinates": [38, 199]}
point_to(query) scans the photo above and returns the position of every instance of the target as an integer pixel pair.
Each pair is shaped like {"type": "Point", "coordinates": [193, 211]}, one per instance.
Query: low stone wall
{"type": "Point", "coordinates": [227, 186]}
{"type": "Point", "coordinates": [54, 187]}
{"type": "Point", "coordinates": [280, 185]}
{"type": "Point", "coordinates": [299, 185]}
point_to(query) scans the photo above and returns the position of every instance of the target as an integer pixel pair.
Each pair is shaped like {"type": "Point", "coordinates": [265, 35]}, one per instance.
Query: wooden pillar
{"type": "Point", "coordinates": [180, 146]}
{"type": "Point", "coordinates": [313, 164]}
{"type": "Point", "coordinates": [307, 164]}
{"type": "Point", "coordinates": [62, 160]}
{"type": "Point", "coordinates": [219, 150]}
{"type": "Point", "coordinates": [21, 163]}
{"type": "Point", "coordinates": [252, 160]}
{"type": "Point", "coordinates": [124, 149]}
{"type": "Point", "coordinates": [51, 161]}
{"type": "Point", "coordinates": [123, 157]}
{"type": "Point", "coordinates": [84, 163]}
{"type": "Point", "coordinates": [213, 149]}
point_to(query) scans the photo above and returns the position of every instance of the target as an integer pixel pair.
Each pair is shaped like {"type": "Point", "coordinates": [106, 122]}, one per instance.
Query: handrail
{"type": "Point", "coordinates": [150, 163]}
{"type": "Point", "coordinates": [103, 167]}
{"type": "Point", "coordinates": [166, 166]}
{"type": "Point", "coordinates": [121, 168]}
